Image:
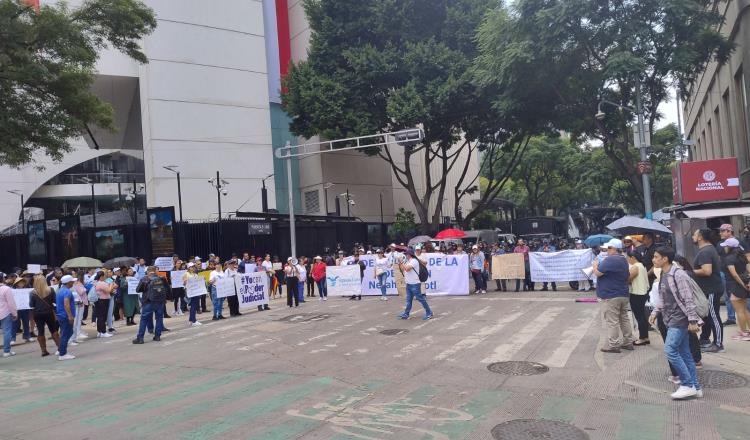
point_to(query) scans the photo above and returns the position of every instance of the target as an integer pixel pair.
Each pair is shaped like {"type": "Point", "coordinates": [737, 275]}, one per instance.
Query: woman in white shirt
{"type": "Point", "coordinates": [216, 302]}
{"type": "Point", "coordinates": [638, 296]}
{"type": "Point", "coordinates": [381, 273]}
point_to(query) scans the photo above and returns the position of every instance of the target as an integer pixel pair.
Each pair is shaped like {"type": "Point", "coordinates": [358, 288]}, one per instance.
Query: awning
{"type": "Point", "coordinates": [718, 212]}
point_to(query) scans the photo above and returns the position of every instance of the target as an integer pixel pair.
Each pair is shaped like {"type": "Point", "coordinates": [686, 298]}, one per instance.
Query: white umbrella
{"type": "Point", "coordinates": [635, 225]}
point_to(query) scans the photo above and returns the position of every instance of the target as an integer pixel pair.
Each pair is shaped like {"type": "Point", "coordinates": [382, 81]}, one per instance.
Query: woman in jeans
{"type": "Point", "coordinates": [81, 296]}
{"type": "Point", "coordinates": [216, 302]}
{"type": "Point", "coordinates": [476, 265]}
{"type": "Point", "coordinates": [319, 276]}
{"type": "Point", "coordinates": [381, 273]}
{"type": "Point", "coordinates": [104, 295]}
{"type": "Point", "coordinates": [192, 272]}
{"type": "Point", "coordinates": [638, 280]}
{"type": "Point", "coordinates": [41, 301]}
{"type": "Point", "coordinates": [8, 314]}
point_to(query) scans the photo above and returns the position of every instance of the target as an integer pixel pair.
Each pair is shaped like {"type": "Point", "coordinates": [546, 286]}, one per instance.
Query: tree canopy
{"type": "Point", "coordinates": [47, 67]}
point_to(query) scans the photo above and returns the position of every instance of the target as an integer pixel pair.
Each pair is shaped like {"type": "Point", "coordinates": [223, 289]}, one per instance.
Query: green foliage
{"type": "Point", "coordinates": [47, 62]}
{"type": "Point", "coordinates": [582, 51]}
{"type": "Point", "coordinates": [485, 220]}
{"type": "Point", "coordinates": [404, 225]}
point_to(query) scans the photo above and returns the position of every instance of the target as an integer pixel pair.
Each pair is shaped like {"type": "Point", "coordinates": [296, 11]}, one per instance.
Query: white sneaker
{"type": "Point", "coordinates": [83, 336]}
{"type": "Point", "coordinates": [320, 298]}
{"type": "Point", "coordinates": [195, 324]}
{"type": "Point", "coordinates": [385, 298]}
{"type": "Point", "coordinates": [67, 357]}
{"type": "Point", "coordinates": [9, 354]}
{"type": "Point", "coordinates": [31, 340]}
{"type": "Point", "coordinates": [57, 353]}
{"type": "Point", "coordinates": [325, 299]}
{"type": "Point", "coordinates": [106, 335]}
{"type": "Point", "coordinates": [12, 343]}
{"type": "Point", "coordinates": [684, 392]}
{"type": "Point", "coordinates": [73, 343]}
{"type": "Point", "coordinates": [699, 393]}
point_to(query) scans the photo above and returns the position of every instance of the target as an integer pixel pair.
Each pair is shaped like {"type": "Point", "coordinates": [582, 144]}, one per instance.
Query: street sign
{"type": "Point", "coordinates": [637, 138]}
{"type": "Point", "coordinates": [259, 228]}
{"type": "Point", "coordinates": [644, 167]}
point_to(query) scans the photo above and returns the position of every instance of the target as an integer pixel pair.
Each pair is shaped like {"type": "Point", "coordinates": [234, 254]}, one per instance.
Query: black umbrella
{"type": "Point", "coordinates": [120, 262]}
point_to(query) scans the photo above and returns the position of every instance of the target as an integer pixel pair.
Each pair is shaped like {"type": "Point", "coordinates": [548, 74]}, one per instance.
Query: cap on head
{"type": "Point", "coordinates": [614, 244]}
{"type": "Point", "coordinates": [191, 265]}
{"type": "Point", "coordinates": [67, 279]}
{"type": "Point", "coordinates": [726, 227]}
{"type": "Point", "coordinates": [318, 257]}
{"type": "Point", "coordinates": [627, 238]}
{"type": "Point", "coordinates": [475, 247]}
{"type": "Point", "coordinates": [731, 243]}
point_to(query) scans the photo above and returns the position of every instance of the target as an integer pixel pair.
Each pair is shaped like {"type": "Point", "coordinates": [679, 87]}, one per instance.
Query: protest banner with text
{"type": "Point", "coordinates": [252, 289]}
{"type": "Point", "coordinates": [560, 266]}
{"type": "Point", "coordinates": [343, 280]}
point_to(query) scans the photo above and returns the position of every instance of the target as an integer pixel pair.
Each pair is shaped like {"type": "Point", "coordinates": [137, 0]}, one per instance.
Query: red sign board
{"type": "Point", "coordinates": [706, 181]}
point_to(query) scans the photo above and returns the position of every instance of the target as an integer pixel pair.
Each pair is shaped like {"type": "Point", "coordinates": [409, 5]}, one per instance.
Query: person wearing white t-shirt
{"type": "Point", "coordinates": [381, 273]}
{"type": "Point", "coordinates": [218, 303]}
{"type": "Point", "coordinates": [413, 286]}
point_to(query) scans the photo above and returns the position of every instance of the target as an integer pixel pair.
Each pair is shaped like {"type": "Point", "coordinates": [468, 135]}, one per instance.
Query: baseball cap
{"type": "Point", "coordinates": [191, 265]}
{"type": "Point", "coordinates": [726, 227]}
{"type": "Point", "coordinates": [68, 279]}
{"type": "Point", "coordinates": [614, 243]}
{"type": "Point", "coordinates": [731, 242]}
{"type": "Point", "coordinates": [579, 242]}
{"type": "Point", "coordinates": [627, 238]}
{"type": "Point", "coordinates": [318, 257]}
{"type": "Point", "coordinates": [475, 247]}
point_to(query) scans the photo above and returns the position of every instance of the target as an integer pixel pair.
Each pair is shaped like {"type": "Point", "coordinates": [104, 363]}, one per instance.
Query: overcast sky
{"type": "Point", "coordinates": [669, 110]}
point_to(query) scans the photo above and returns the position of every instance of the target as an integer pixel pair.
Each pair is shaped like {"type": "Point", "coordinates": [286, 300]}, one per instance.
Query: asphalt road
{"type": "Point", "coordinates": [351, 370]}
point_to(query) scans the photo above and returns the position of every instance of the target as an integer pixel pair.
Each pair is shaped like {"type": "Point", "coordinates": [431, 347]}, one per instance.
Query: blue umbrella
{"type": "Point", "coordinates": [597, 240]}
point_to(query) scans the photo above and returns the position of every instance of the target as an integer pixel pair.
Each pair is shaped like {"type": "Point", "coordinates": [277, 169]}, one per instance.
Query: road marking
{"type": "Point", "coordinates": [458, 324]}
{"type": "Point", "coordinates": [642, 422]}
{"type": "Point", "coordinates": [428, 340]}
{"type": "Point", "coordinates": [472, 341]}
{"type": "Point", "coordinates": [570, 340]}
{"type": "Point", "coordinates": [482, 312]}
{"type": "Point", "coordinates": [315, 338]}
{"type": "Point", "coordinates": [505, 352]}
{"type": "Point", "coordinates": [252, 412]}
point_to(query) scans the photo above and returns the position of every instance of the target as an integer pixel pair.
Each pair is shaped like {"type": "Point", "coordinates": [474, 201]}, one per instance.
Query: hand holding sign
{"type": "Point", "coordinates": [195, 286]}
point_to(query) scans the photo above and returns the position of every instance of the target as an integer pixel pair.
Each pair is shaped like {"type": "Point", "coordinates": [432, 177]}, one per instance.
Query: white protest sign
{"type": "Point", "coordinates": [343, 280]}
{"type": "Point", "coordinates": [560, 266]}
{"type": "Point", "coordinates": [370, 284]}
{"type": "Point", "coordinates": [224, 287]}
{"type": "Point", "coordinates": [164, 264]}
{"type": "Point", "coordinates": [176, 277]}
{"type": "Point", "coordinates": [132, 285]}
{"type": "Point", "coordinates": [449, 274]}
{"type": "Point", "coordinates": [252, 289]}
{"type": "Point", "coordinates": [34, 268]}
{"type": "Point", "coordinates": [277, 266]}
{"type": "Point", "coordinates": [195, 286]}
{"type": "Point", "coordinates": [21, 296]}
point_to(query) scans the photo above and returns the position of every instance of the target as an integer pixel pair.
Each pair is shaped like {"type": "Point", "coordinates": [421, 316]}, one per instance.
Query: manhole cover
{"type": "Point", "coordinates": [721, 379]}
{"type": "Point", "coordinates": [526, 429]}
{"type": "Point", "coordinates": [305, 317]}
{"type": "Point", "coordinates": [518, 368]}
{"type": "Point", "coordinates": [394, 331]}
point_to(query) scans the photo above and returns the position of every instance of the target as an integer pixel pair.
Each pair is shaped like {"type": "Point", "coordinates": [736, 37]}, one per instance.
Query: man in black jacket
{"type": "Point", "coordinates": [153, 291]}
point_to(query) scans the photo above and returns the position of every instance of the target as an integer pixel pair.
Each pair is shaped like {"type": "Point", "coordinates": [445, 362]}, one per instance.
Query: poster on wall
{"type": "Point", "coordinates": [69, 233]}
{"type": "Point", "coordinates": [109, 243]}
{"type": "Point", "coordinates": [161, 227]}
{"type": "Point", "coordinates": [37, 244]}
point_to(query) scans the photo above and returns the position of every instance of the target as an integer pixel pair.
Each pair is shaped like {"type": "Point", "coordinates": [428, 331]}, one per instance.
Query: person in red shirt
{"type": "Point", "coordinates": [319, 276]}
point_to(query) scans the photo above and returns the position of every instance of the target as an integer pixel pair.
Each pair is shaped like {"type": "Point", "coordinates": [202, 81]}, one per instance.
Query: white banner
{"type": "Point", "coordinates": [560, 266]}
{"type": "Point", "coordinates": [34, 268]}
{"type": "Point", "coordinates": [370, 284]}
{"type": "Point", "coordinates": [132, 285]}
{"type": "Point", "coordinates": [252, 289]}
{"type": "Point", "coordinates": [164, 264]}
{"type": "Point", "coordinates": [343, 280]}
{"type": "Point", "coordinates": [449, 274]}
{"type": "Point", "coordinates": [195, 286]}
{"type": "Point", "coordinates": [176, 277]}
{"type": "Point", "coordinates": [225, 287]}
{"type": "Point", "coordinates": [22, 298]}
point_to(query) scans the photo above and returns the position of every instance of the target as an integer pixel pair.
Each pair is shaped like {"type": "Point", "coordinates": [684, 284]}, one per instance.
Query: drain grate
{"type": "Point", "coordinates": [721, 380]}
{"type": "Point", "coordinates": [518, 368]}
{"type": "Point", "coordinates": [394, 331]}
{"type": "Point", "coordinates": [527, 429]}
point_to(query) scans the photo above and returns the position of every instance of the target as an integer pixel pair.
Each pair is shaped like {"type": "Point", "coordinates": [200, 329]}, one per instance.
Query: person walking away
{"type": "Point", "coordinates": [476, 266]}
{"type": "Point", "coordinates": [104, 293]}
{"type": "Point", "coordinates": [291, 275]}
{"type": "Point", "coordinates": [735, 267]}
{"type": "Point", "coordinates": [216, 303]}
{"type": "Point", "coordinates": [41, 301]}
{"type": "Point", "coordinates": [612, 288]}
{"type": "Point", "coordinates": [707, 274]}
{"type": "Point", "coordinates": [638, 280]}
{"type": "Point", "coordinates": [194, 301]}
{"type": "Point", "coordinates": [8, 315]}
{"type": "Point", "coordinates": [319, 276]}
{"type": "Point", "coordinates": [153, 289]}
{"type": "Point", "coordinates": [678, 311]}
{"type": "Point", "coordinates": [381, 273]}
{"type": "Point", "coordinates": [129, 302]}
{"type": "Point", "coordinates": [521, 248]}
{"type": "Point", "coordinates": [726, 231]}
{"type": "Point", "coordinates": [65, 312]}
{"type": "Point", "coordinates": [410, 269]}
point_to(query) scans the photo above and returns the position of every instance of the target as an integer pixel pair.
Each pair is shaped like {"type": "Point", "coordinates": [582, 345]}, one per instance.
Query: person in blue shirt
{"type": "Point", "coordinates": [66, 314]}
{"type": "Point", "coordinates": [613, 289]}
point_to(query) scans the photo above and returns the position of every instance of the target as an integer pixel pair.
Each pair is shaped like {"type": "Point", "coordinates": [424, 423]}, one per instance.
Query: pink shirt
{"type": "Point", "coordinates": [81, 291]}
{"type": "Point", "coordinates": [7, 302]}
{"type": "Point", "coordinates": [102, 290]}
{"type": "Point", "coordinates": [522, 250]}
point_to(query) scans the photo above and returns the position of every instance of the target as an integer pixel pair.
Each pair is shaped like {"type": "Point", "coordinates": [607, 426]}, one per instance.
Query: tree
{"type": "Point", "coordinates": [602, 49]}
{"type": "Point", "coordinates": [381, 66]}
{"type": "Point", "coordinates": [404, 225]}
{"type": "Point", "coordinates": [47, 61]}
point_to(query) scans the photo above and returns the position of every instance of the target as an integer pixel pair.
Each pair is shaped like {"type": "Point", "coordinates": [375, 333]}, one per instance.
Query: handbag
{"type": "Point", "coordinates": [92, 295]}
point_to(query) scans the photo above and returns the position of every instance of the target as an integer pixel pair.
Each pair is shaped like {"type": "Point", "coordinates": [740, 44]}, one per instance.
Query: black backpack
{"type": "Point", "coordinates": [156, 291]}
{"type": "Point", "coordinates": [423, 273]}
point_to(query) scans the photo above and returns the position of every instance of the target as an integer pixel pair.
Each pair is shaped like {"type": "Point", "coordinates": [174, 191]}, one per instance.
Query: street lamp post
{"type": "Point", "coordinates": [405, 138]}
{"type": "Point", "coordinates": [88, 180]}
{"type": "Point", "coordinates": [638, 111]}
{"type": "Point", "coordinates": [23, 217]}
{"type": "Point", "coordinates": [220, 186]}
{"type": "Point", "coordinates": [173, 168]}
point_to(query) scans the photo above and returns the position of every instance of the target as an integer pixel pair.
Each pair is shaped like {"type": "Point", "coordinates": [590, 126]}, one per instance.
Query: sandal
{"type": "Point", "coordinates": [642, 342]}
{"type": "Point", "coordinates": [740, 336]}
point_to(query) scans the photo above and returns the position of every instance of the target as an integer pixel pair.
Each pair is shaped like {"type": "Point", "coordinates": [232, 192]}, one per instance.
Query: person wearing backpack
{"type": "Point", "coordinates": [678, 310]}
{"type": "Point", "coordinates": [735, 268]}
{"type": "Point", "coordinates": [411, 270]}
{"type": "Point", "coordinates": [153, 289]}
{"type": "Point", "coordinates": [707, 273]}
